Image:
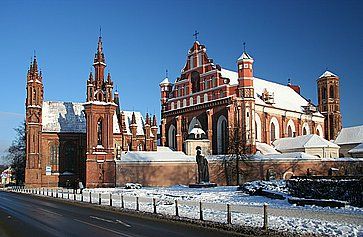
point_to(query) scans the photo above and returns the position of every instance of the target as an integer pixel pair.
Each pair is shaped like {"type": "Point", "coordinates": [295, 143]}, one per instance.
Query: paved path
{"type": "Point", "coordinates": [27, 215]}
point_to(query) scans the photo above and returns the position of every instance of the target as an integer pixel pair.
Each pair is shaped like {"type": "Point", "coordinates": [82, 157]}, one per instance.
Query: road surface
{"type": "Point", "coordinates": [27, 215]}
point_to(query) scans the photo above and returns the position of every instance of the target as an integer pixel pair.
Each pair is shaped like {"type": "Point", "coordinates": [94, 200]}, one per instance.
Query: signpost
{"type": "Point", "coordinates": [48, 170]}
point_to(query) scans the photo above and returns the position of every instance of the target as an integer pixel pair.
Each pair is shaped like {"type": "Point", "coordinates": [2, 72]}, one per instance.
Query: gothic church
{"type": "Point", "coordinates": [224, 101]}
{"type": "Point", "coordinates": [68, 142]}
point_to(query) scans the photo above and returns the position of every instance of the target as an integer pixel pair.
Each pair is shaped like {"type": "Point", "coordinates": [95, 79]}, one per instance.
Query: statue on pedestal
{"type": "Point", "coordinates": [203, 171]}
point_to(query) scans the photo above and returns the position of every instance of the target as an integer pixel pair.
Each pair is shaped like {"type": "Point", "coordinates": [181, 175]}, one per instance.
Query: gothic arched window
{"type": "Point", "coordinates": [304, 131]}
{"type": "Point", "coordinates": [54, 154]}
{"type": "Point", "coordinates": [331, 91]}
{"type": "Point", "coordinates": [273, 132]}
{"type": "Point", "coordinates": [195, 82]}
{"type": "Point", "coordinates": [70, 156]}
{"type": "Point", "coordinates": [323, 93]}
{"type": "Point", "coordinates": [222, 135]}
{"type": "Point", "coordinates": [99, 132]}
{"type": "Point", "coordinates": [172, 137]}
{"type": "Point", "coordinates": [289, 131]}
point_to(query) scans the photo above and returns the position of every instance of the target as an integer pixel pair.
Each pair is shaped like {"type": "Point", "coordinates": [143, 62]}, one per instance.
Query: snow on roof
{"type": "Point", "coordinates": [245, 56]}
{"type": "Point", "coordinates": [289, 155]}
{"type": "Point", "coordinates": [305, 141]}
{"type": "Point", "coordinates": [284, 97]}
{"type": "Point", "coordinates": [67, 117]}
{"type": "Point", "coordinates": [266, 149]}
{"type": "Point", "coordinates": [163, 154]}
{"type": "Point", "coordinates": [165, 81]}
{"type": "Point", "coordinates": [350, 135]}
{"type": "Point", "coordinates": [357, 149]}
{"type": "Point", "coordinates": [328, 74]}
{"type": "Point", "coordinates": [63, 117]}
{"type": "Point", "coordinates": [139, 121]}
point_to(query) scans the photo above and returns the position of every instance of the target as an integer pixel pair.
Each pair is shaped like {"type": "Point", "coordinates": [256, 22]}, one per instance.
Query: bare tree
{"type": "Point", "coordinates": [16, 154]}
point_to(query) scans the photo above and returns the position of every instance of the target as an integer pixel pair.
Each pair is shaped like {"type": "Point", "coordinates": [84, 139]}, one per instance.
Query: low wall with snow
{"type": "Point", "coordinates": [223, 171]}
{"type": "Point", "coordinates": [156, 173]}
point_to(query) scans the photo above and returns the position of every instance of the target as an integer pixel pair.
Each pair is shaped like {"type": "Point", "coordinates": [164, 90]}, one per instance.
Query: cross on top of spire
{"type": "Point", "coordinates": [244, 46]}
{"type": "Point", "coordinates": [196, 33]}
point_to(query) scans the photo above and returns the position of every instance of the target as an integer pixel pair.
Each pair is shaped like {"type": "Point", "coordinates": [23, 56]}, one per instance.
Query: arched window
{"type": "Point", "coordinates": [100, 96]}
{"type": "Point", "coordinates": [222, 135]}
{"type": "Point", "coordinates": [274, 129]}
{"type": "Point", "coordinates": [191, 101]}
{"type": "Point", "coordinates": [172, 137]}
{"type": "Point", "coordinates": [178, 104]}
{"type": "Point", "coordinates": [54, 155]}
{"type": "Point", "coordinates": [289, 131]}
{"type": "Point", "coordinates": [273, 132]}
{"type": "Point", "coordinates": [305, 129]}
{"type": "Point", "coordinates": [184, 103]}
{"type": "Point", "coordinates": [99, 132]}
{"type": "Point", "coordinates": [319, 130]}
{"type": "Point", "coordinates": [205, 99]}
{"type": "Point", "coordinates": [70, 156]}
{"type": "Point", "coordinates": [198, 99]}
{"type": "Point", "coordinates": [258, 128]}
{"type": "Point", "coordinates": [172, 105]}
{"type": "Point", "coordinates": [323, 93]}
{"type": "Point", "coordinates": [195, 82]}
{"type": "Point", "coordinates": [139, 147]}
{"type": "Point", "coordinates": [331, 92]}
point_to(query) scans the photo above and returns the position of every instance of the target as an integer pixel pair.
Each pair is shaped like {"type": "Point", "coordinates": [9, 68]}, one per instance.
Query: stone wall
{"type": "Point", "coordinates": [156, 173]}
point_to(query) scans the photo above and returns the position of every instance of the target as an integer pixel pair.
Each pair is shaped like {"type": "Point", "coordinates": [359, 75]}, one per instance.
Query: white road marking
{"type": "Point", "coordinates": [51, 212]}
{"type": "Point", "coordinates": [123, 223]}
{"type": "Point", "coordinates": [102, 228]}
{"type": "Point", "coordinates": [101, 219]}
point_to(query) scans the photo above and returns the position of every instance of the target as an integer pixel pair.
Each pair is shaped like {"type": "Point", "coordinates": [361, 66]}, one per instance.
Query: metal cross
{"type": "Point", "coordinates": [196, 33]}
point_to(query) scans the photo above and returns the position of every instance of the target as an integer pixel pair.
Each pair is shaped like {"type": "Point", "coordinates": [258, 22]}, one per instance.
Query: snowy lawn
{"type": "Point", "coordinates": [246, 210]}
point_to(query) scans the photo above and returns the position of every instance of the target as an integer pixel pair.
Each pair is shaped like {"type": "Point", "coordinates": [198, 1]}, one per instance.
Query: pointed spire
{"type": "Point", "coordinates": [154, 123]}
{"type": "Point", "coordinates": [133, 118]}
{"type": "Point", "coordinates": [99, 56]}
{"type": "Point", "coordinates": [90, 77]}
{"type": "Point", "coordinates": [147, 119]}
{"type": "Point", "coordinates": [35, 64]}
{"type": "Point", "coordinates": [108, 77]}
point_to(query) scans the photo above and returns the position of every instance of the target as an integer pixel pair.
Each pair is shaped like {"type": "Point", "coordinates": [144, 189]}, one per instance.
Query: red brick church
{"type": "Point", "coordinates": [222, 101]}
{"type": "Point", "coordinates": [68, 142]}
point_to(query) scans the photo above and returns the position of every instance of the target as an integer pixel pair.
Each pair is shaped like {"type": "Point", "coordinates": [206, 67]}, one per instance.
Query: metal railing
{"type": "Point", "coordinates": [204, 211]}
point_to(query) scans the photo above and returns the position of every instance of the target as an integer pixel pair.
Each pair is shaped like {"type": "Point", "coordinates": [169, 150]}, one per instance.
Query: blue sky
{"type": "Point", "coordinates": [288, 39]}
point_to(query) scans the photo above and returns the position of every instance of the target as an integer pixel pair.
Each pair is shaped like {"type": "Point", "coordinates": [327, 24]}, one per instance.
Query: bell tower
{"type": "Point", "coordinates": [33, 125]}
{"type": "Point", "coordinates": [99, 111]}
{"type": "Point", "coordinates": [329, 104]}
{"type": "Point", "coordinates": [245, 103]}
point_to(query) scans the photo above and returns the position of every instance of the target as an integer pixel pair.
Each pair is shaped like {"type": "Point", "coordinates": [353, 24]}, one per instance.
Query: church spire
{"type": "Point", "coordinates": [99, 56]}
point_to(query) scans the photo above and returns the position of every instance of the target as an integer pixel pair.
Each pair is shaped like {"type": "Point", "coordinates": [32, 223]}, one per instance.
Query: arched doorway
{"type": "Point", "coordinates": [222, 135]}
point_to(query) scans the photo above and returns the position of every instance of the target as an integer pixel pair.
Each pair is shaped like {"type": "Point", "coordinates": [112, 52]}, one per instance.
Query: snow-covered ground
{"type": "Point", "coordinates": [246, 209]}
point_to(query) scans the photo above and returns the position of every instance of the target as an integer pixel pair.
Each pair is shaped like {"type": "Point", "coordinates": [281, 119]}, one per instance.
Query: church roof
{"type": "Point", "coordinates": [165, 81]}
{"type": "Point", "coordinates": [350, 135]}
{"type": "Point", "coordinates": [245, 56]}
{"type": "Point", "coordinates": [357, 149]}
{"type": "Point", "coordinates": [328, 74]}
{"type": "Point", "coordinates": [139, 121]}
{"type": "Point", "coordinates": [284, 97]}
{"type": "Point", "coordinates": [305, 141]}
{"type": "Point", "coordinates": [67, 117]}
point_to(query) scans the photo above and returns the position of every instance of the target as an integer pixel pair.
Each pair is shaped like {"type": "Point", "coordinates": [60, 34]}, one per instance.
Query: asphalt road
{"type": "Point", "coordinates": [26, 215]}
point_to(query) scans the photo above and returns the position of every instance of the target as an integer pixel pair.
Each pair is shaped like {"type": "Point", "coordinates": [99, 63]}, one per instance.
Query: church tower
{"type": "Point", "coordinates": [99, 111]}
{"type": "Point", "coordinates": [245, 103]}
{"type": "Point", "coordinates": [33, 125]}
{"type": "Point", "coordinates": [329, 104]}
